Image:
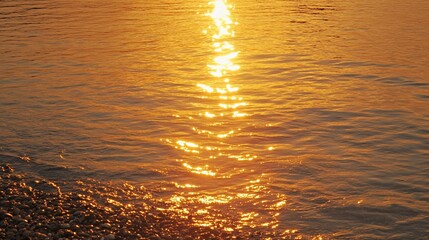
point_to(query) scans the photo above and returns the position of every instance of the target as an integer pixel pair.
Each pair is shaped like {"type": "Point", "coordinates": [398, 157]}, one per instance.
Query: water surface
{"type": "Point", "coordinates": [285, 116]}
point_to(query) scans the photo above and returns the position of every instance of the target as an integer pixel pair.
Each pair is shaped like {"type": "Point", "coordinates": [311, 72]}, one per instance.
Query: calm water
{"type": "Point", "coordinates": [308, 116]}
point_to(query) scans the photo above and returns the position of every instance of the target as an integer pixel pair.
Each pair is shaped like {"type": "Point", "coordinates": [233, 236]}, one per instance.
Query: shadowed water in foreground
{"type": "Point", "coordinates": [247, 119]}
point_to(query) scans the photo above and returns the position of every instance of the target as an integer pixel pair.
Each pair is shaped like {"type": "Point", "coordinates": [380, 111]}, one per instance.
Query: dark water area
{"type": "Point", "coordinates": [280, 116]}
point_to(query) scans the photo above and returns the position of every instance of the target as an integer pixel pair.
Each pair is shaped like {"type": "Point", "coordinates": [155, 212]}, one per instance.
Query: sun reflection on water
{"type": "Point", "coordinates": [212, 146]}
{"type": "Point", "coordinates": [217, 89]}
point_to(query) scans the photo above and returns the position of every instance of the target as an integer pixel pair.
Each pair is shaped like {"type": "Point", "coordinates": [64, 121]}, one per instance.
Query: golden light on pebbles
{"type": "Point", "coordinates": [202, 223]}
{"type": "Point", "coordinates": [289, 231]}
{"type": "Point", "coordinates": [25, 158]}
{"type": "Point", "coordinates": [114, 202]}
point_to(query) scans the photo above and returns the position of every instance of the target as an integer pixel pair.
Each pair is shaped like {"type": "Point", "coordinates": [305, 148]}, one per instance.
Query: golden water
{"type": "Point", "coordinates": [304, 118]}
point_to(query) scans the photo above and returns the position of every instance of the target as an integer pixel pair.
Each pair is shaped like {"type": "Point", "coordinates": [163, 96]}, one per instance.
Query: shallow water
{"type": "Point", "coordinates": [314, 118]}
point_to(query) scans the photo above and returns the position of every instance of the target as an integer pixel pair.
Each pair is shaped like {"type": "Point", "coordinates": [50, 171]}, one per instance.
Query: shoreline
{"type": "Point", "coordinates": [31, 208]}
{"type": "Point", "coordinates": [36, 208]}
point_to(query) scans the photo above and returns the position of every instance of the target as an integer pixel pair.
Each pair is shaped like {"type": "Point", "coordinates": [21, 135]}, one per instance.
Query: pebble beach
{"type": "Point", "coordinates": [36, 208]}
{"type": "Point", "coordinates": [39, 209]}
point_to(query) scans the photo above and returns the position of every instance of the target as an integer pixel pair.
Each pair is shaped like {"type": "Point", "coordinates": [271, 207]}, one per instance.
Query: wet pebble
{"type": "Point", "coordinates": [106, 225]}
{"type": "Point", "coordinates": [77, 213]}
{"type": "Point", "coordinates": [18, 219]}
{"type": "Point", "coordinates": [22, 225]}
{"type": "Point", "coordinates": [65, 225]}
{"type": "Point", "coordinates": [26, 234]}
{"type": "Point", "coordinates": [155, 237]}
{"type": "Point", "coordinates": [53, 226]}
{"type": "Point", "coordinates": [40, 235]}
{"type": "Point", "coordinates": [16, 211]}
{"type": "Point", "coordinates": [4, 214]}
{"type": "Point", "coordinates": [110, 237]}
{"type": "Point", "coordinates": [10, 234]}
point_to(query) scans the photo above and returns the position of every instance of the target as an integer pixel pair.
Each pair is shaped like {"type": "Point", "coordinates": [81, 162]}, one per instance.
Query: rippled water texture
{"type": "Point", "coordinates": [307, 117]}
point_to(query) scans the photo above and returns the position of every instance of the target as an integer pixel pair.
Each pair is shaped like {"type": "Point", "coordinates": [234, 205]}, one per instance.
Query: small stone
{"type": "Point", "coordinates": [16, 211]}
{"type": "Point", "coordinates": [16, 177]}
{"type": "Point", "coordinates": [110, 237]}
{"type": "Point", "coordinates": [4, 214]}
{"type": "Point", "coordinates": [18, 219]}
{"type": "Point", "coordinates": [105, 225]}
{"type": "Point", "coordinates": [22, 225]}
{"type": "Point", "coordinates": [26, 234]}
{"type": "Point", "coordinates": [10, 234]}
{"type": "Point", "coordinates": [38, 225]}
{"type": "Point", "coordinates": [68, 233]}
{"type": "Point", "coordinates": [123, 231]}
{"type": "Point", "coordinates": [77, 213]}
{"type": "Point", "coordinates": [59, 234]}
{"type": "Point", "coordinates": [155, 237]}
{"type": "Point", "coordinates": [5, 203]}
{"type": "Point", "coordinates": [40, 235]}
{"type": "Point", "coordinates": [24, 206]}
{"type": "Point", "coordinates": [53, 226]}
{"type": "Point", "coordinates": [65, 225]}
{"type": "Point", "coordinates": [3, 223]}
{"type": "Point", "coordinates": [7, 168]}
{"type": "Point", "coordinates": [91, 219]}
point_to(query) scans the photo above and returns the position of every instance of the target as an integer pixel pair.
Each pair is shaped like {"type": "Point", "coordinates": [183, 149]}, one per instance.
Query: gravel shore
{"type": "Point", "coordinates": [32, 208]}
{"type": "Point", "coordinates": [36, 208]}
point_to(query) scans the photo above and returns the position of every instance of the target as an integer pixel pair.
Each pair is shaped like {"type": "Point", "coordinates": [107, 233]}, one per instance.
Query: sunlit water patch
{"type": "Point", "coordinates": [213, 155]}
